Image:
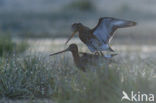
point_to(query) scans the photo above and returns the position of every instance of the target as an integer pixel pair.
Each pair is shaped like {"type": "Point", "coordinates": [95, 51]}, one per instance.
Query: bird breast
{"type": "Point", "coordinates": [85, 36]}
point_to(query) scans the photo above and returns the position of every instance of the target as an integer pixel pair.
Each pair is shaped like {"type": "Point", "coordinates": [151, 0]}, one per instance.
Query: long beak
{"type": "Point", "coordinates": [59, 52]}
{"type": "Point", "coordinates": [124, 23]}
{"type": "Point", "coordinates": [70, 37]}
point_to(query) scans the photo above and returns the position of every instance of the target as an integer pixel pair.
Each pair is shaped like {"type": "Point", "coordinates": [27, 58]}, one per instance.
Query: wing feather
{"type": "Point", "coordinates": [101, 31]}
{"type": "Point", "coordinates": [95, 45]}
{"type": "Point", "coordinates": [106, 27]}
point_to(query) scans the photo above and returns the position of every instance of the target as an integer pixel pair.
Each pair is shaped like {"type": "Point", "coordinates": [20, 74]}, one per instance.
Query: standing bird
{"type": "Point", "coordinates": [85, 59]}
{"type": "Point", "coordinates": [98, 38]}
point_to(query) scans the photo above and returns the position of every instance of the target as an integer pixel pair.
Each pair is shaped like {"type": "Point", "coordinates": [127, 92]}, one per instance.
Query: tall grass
{"type": "Point", "coordinates": [25, 77]}
{"type": "Point", "coordinates": [105, 86]}
{"type": "Point", "coordinates": [57, 79]}
{"type": "Point", "coordinates": [8, 46]}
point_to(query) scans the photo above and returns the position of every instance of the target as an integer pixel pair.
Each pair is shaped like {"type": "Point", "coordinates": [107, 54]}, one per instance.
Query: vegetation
{"type": "Point", "coordinates": [56, 79]}
{"type": "Point", "coordinates": [24, 77]}
{"type": "Point", "coordinates": [38, 78]}
{"type": "Point", "coordinates": [7, 46]}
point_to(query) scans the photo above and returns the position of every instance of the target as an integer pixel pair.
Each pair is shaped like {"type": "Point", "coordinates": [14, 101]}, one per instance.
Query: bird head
{"type": "Point", "coordinates": [72, 48]}
{"type": "Point", "coordinates": [75, 28]}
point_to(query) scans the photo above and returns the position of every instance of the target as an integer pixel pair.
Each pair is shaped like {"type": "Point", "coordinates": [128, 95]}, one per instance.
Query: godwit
{"type": "Point", "coordinates": [85, 59]}
{"type": "Point", "coordinates": [98, 38]}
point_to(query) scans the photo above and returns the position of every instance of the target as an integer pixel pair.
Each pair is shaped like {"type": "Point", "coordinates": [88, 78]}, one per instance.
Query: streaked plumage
{"type": "Point", "coordinates": [84, 59]}
{"type": "Point", "coordinates": [98, 38]}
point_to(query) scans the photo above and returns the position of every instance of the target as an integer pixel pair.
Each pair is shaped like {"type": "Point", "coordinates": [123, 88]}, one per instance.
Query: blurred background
{"type": "Point", "coordinates": [53, 18]}
{"type": "Point", "coordinates": [32, 29]}
{"type": "Point", "coordinates": [49, 19]}
{"type": "Point", "coordinates": [42, 23]}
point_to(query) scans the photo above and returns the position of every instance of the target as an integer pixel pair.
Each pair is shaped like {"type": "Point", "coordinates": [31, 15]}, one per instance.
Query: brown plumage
{"type": "Point", "coordinates": [82, 60]}
{"type": "Point", "coordinates": [98, 38]}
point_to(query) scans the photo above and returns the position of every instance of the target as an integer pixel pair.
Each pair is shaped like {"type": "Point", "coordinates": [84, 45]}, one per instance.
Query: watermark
{"type": "Point", "coordinates": [138, 97]}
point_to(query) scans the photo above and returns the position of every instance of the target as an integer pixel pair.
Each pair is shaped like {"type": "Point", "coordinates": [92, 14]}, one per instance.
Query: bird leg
{"type": "Point", "coordinates": [111, 49]}
{"type": "Point", "coordinates": [101, 53]}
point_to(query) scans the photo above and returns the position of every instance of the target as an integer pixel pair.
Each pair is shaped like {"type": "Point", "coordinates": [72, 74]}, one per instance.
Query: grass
{"type": "Point", "coordinates": [57, 79]}
{"type": "Point", "coordinates": [8, 46]}
{"type": "Point", "coordinates": [24, 77]}
{"type": "Point", "coordinates": [102, 86]}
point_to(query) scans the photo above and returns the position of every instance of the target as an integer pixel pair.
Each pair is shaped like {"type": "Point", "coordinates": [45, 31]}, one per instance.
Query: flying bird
{"type": "Point", "coordinates": [82, 60]}
{"type": "Point", "coordinates": [98, 38]}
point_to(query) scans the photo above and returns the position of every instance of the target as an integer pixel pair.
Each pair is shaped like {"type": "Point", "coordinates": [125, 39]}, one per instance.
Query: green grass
{"type": "Point", "coordinates": [25, 77]}
{"type": "Point", "coordinates": [56, 78]}
{"type": "Point", "coordinates": [8, 46]}
{"type": "Point", "coordinates": [105, 86]}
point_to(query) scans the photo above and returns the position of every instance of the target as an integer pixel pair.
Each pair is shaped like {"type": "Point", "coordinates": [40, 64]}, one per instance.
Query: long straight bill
{"type": "Point", "coordinates": [70, 37]}
{"type": "Point", "coordinates": [58, 52]}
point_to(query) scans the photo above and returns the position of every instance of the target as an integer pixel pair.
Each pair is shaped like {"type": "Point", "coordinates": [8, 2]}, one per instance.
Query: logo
{"type": "Point", "coordinates": [137, 97]}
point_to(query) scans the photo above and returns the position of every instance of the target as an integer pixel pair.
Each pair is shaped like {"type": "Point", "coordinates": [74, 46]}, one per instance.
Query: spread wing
{"type": "Point", "coordinates": [102, 31]}
{"type": "Point", "coordinates": [94, 45]}
{"type": "Point", "coordinates": [106, 27]}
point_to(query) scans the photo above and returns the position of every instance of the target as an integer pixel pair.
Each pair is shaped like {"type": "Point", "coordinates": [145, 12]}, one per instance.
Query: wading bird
{"type": "Point", "coordinates": [98, 38]}
{"type": "Point", "coordinates": [85, 59]}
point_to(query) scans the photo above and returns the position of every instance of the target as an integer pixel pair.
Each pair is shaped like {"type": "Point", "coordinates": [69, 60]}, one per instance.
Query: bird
{"type": "Point", "coordinates": [81, 59]}
{"type": "Point", "coordinates": [98, 39]}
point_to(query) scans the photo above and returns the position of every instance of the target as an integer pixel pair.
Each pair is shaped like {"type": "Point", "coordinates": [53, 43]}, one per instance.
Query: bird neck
{"type": "Point", "coordinates": [76, 57]}
{"type": "Point", "coordinates": [83, 28]}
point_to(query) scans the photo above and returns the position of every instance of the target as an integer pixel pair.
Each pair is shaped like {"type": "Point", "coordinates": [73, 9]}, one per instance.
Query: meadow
{"type": "Point", "coordinates": [30, 30]}
{"type": "Point", "coordinates": [34, 77]}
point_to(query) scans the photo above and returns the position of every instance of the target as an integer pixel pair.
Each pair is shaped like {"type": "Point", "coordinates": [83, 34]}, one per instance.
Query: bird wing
{"type": "Point", "coordinates": [94, 45]}
{"type": "Point", "coordinates": [92, 59]}
{"type": "Point", "coordinates": [101, 31]}
{"type": "Point", "coordinates": [106, 27]}
{"type": "Point", "coordinates": [87, 57]}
